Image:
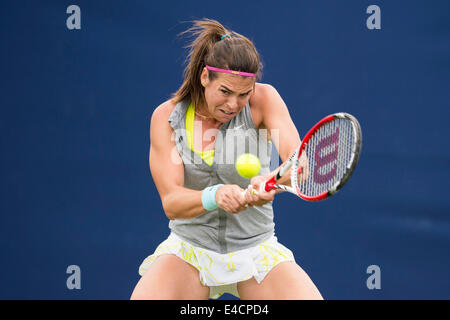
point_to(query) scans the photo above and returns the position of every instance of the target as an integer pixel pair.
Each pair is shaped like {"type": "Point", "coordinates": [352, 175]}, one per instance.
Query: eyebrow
{"type": "Point", "coordinates": [232, 90]}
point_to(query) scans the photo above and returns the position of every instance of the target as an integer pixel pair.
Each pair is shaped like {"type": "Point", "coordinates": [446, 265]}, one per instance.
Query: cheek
{"type": "Point", "coordinates": [217, 100]}
{"type": "Point", "coordinates": [211, 97]}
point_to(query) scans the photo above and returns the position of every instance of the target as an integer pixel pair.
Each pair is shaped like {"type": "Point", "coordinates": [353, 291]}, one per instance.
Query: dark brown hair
{"type": "Point", "coordinates": [233, 52]}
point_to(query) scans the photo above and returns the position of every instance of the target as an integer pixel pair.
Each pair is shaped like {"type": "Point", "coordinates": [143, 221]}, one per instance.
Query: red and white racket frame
{"type": "Point", "coordinates": [293, 161]}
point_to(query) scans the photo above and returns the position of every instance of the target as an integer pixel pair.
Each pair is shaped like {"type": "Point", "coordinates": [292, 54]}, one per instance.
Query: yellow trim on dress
{"type": "Point", "coordinates": [207, 156]}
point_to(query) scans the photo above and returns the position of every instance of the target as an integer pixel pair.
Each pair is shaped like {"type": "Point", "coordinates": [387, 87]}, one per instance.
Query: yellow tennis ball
{"type": "Point", "coordinates": [248, 165]}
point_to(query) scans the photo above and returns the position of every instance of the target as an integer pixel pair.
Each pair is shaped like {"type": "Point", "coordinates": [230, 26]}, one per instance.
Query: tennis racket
{"type": "Point", "coordinates": [324, 161]}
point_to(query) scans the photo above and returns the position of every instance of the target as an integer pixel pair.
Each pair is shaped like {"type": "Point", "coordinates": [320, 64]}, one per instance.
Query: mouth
{"type": "Point", "coordinates": [227, 113]}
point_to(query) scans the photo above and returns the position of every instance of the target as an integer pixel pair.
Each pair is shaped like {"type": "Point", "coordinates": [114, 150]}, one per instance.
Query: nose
{"type": "Point", "coordinates": [233, 104]}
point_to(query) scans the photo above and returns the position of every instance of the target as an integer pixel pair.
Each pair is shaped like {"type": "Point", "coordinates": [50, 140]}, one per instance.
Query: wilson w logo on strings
{"type": "Point", "coordinates": [326, 153]}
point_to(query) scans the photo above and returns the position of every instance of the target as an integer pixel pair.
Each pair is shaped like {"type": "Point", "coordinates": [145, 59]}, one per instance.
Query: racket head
{"type": "Point", "coordinates": [332, 149]}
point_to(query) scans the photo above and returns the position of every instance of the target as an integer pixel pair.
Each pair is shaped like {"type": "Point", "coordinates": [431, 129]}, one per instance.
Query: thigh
{"type": "Point", "coordinates": [169, 277]}
{"type": "Point", "coordinates": [285, 281]}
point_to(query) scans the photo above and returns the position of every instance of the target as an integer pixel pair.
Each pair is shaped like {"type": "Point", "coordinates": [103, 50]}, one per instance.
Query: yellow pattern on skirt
{"type": "Point", "coordinates": [222, 272]}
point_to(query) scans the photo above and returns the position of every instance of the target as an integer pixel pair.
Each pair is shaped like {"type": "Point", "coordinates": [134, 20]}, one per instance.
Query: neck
{"type": "Point", "coordinates": [202, 116]}
{"type": "Point", "coordinates": [206, 116]}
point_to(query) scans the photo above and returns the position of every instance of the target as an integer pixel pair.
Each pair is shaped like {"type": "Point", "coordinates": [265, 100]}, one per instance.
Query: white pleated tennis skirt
{"type": "Point", "coordinates": [222, 272]}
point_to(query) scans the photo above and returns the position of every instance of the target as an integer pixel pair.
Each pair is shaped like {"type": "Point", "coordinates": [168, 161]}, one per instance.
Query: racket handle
{"type": "Point", "coordinates": [255, 192]}
{"type": "Point", "coordinates": [266, 186]}
{"type": "Point", "coordinates": [262, 186]}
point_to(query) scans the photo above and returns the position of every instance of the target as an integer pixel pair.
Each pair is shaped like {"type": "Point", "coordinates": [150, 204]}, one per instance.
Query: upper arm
{"type": "Point", "coordinates": [276, 118]}
{"type": "Point", "coordinates": [166, 165]}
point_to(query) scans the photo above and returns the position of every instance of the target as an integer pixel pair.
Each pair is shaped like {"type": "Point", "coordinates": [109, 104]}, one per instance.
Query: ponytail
{"type": "Point", "coordinates": [215, 46]}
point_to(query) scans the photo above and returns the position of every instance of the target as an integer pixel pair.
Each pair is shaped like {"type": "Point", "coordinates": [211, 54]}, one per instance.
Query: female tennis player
{"type": "Point", "coordinates": [222, 239]}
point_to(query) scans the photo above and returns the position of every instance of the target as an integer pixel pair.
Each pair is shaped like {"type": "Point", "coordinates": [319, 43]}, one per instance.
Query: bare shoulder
{"type": "Point", "coordinates": [163, 111]}
{"type": "Point", "coordinates": [263, 90]}
{"type": "Point", "coordinates": [159, 121]}
{"type": "Point", "coordinates": [263, 95]}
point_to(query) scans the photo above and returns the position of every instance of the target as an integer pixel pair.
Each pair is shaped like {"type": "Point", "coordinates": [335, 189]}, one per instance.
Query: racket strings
{"type": "Point", "coordinates": [328, 153]}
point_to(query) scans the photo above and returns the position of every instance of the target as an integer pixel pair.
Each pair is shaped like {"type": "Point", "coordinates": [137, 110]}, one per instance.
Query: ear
{"type": "Point", "coordinates": [204, 77]}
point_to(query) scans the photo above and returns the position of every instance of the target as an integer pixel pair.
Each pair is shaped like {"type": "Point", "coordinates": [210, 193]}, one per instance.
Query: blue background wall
{"type": "Point", "coordinates": [74, 132]}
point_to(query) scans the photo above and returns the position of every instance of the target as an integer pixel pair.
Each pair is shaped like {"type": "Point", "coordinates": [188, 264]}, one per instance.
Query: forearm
{"type": "Point", "coordinates": [183, 203]}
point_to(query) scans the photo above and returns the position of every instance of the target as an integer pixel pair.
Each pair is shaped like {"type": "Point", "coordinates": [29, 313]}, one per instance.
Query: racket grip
{"type": "Point", "coordinates": [253, 190]}
{"type": "Point", "coordinates": [261, 189]}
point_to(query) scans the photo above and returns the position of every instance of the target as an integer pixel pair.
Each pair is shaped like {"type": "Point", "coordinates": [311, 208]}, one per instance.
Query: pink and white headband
{"type": "Point", "coordinates": [239, 73]}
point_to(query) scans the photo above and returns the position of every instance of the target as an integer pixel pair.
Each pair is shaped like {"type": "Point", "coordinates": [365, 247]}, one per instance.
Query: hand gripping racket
{"type": "Point", "coordinates": [324, 161]}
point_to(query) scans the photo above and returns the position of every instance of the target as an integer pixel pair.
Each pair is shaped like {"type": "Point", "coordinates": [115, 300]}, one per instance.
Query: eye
{"type": "Point", "coordinates": [225, 92]}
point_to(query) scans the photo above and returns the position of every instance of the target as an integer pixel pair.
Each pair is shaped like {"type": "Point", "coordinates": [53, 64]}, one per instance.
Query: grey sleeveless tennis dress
{"type": "Point", "coordinates": [218, 230]}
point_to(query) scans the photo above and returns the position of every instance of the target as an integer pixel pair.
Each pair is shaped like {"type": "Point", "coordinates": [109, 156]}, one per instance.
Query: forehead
{"type": "Point", "coordinates": [235, 83]}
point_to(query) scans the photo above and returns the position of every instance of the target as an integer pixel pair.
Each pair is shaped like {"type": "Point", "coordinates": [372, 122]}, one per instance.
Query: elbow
{"type": "Point", "coordinates": [169, 213]}
{"type": "Point", "coordinates": [170, 216]}
{"type": "Point", "coordinates": [168, 209]}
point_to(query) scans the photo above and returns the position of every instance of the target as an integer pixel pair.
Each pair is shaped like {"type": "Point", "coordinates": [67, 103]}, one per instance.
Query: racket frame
{"type": "Point", "coordinates": [293, 161]}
